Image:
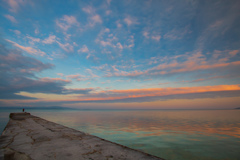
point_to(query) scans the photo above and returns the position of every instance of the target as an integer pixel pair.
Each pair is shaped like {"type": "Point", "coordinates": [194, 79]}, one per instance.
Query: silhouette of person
{"type": "Point", "coordinates": [23, 109]}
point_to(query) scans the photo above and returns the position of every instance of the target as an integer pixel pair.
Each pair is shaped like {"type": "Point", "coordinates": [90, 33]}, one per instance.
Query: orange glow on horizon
{"type": "Point", "coordinates": [132, 93]}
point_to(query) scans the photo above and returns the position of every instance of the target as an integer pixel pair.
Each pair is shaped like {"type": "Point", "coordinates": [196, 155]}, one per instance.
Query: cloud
{"type": "Point", "coordinates": [96, 19]}
{"type": "Point", "coordinates": [84, 49]}
{"type": "Point", "coordinates": [18, 74]}
{"type": "Point", "coordinates": [119, 25]}
{"type": "Point", "coordinates": [33, 39]}
{"type": "Point", "coordinates": [93, 18]}
{"type": "Point", "coordinates": [234, 53]}
{"type": "Point", "coordinates": [29, 50]}
{"type": "Point", "coordinates": [36, 31]}
{"type": "Point", "coordinates": [105, 43]}
{"type": "Point", "coordinates": [185, 63]}
{"type": "Point", "coordinates": [75, 76]}
{"type": "Point", "coordinates": [60, 74]}
{"type": "Point", "coordinates": [50, 39]}
{"type": "Point", "coordinates": [218, 26]}
{"type": "Point", "coordinates": [119, 45]}
{"type": "Point", "coordinates": [66, 47]}
{"type": "Point", "coordinates": [130, 21]}
{"type": "Point", "coordinates": [11, 18]}
{"type": "Point", "coordinates": [17, 32]}
{"type": "Point", "coordinates": [89, 71]}
{"type": "Point", "coordinates": [156, 38]}
{"type": "Point", "coordinates": [14, 4]}
{"type": "Point", "coordinates": [78, 91]}
{"type": "Point", "coordinates": [109, 2]}
{"type": "Point", "coordinates": [66, 22]}
{"type": "Point", "coordinates": [176, 34]}
{"type": "Point", "coordinates": [154, 94]}
{"type": "Point", "coordinates": [146, 34]}
{"type": "Point", "coordinates": [89, 10]}
{"type": "Point", "coordinates": [108, 12]}
{"type": "Point", "coordinates": [152, 35]}
{"type": "Point", "coordinates": [47, 79]}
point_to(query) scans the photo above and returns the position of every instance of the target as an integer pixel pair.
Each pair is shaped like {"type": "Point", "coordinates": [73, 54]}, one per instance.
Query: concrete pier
{"type": "Point", "coordinates": [29, 137]}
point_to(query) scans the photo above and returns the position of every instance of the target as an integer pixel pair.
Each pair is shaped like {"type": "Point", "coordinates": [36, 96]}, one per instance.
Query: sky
{"type": "Point", "coordinates": [128, 54]}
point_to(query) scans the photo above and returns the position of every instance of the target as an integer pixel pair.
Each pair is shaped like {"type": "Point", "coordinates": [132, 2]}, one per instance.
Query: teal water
{"type": "Point", "coordinates": [170, 134]}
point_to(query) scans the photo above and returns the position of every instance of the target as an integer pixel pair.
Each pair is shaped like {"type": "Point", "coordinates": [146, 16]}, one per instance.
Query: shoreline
{"type": "Point", "coordinates": [30, 137]}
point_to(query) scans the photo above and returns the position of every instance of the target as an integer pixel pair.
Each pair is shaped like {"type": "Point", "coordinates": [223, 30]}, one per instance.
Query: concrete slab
{"type": "Point", "coordinates": [29, 137]}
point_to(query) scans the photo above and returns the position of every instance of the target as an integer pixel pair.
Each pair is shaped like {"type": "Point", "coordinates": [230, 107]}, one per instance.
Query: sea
{"type": "Point", "coordinates": [169, 134]}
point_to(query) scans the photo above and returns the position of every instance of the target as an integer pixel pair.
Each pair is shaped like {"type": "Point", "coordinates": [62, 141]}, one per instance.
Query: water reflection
{"type": "Point", "coordinates": [146, 123]}
{"type": "Point", "coordinates": [212, 134]}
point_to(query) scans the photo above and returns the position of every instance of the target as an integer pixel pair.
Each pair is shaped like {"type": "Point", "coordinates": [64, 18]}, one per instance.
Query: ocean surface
{"type": "Point", "coordinates": [170, 134]}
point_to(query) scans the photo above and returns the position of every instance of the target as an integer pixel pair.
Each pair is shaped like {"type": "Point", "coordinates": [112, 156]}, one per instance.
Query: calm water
{"type": "Point", "coordinates": [170, 134]}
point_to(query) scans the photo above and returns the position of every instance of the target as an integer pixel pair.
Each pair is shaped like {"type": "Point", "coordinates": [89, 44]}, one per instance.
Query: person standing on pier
{"type": "Point", "coordinates": [23, 109]}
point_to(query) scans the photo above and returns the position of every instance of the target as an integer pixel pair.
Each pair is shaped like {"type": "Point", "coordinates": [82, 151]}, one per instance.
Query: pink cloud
{"type": "Point", "coordinates": [89, 71]}
{"type": "Point", "coordinates": [60, 74]}
{"type": "Point", "coordinates": [50, 39]}
{"type": "Point", "coordinates": [130, 21]}
{"type": "Point", "coordinates": [234, 53]}
{"type": "Point", "coordinates": [66, 47]}
{"type": "Point", "coordinates": [47, 79]}
{"type": "Point", "coordinates": [29, 50]}
{"type": "Point", "coordinates": [193, 62]}
{"type": "Point", "coordinates": [17, 32]}
{"type": "Point", "coordinates": [84, 49]}
{"type": "Point", "coordinates": [14, 4]}
{"type": "Point", "coordinates": [74, 76]}
{"type": "Point", "coordinates": [110, 95]}
{"type": "Point", "coordinates": [96, 19]}
{"type": "Point", "coordinates": [11, 18]}
{"type": "Point", "coordinates": [146, 34]}
{"type": "Point", "coordinates": [156, 38]}
{"type": "Point", "coordinates": [105, 43]}
{"type": "Point", "coordinates": [88, 10]}
{"type": "Point", "coordinates": [66, 22]}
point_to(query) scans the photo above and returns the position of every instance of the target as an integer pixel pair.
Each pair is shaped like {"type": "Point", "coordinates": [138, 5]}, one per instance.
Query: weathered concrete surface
{"type": "Point", "coordinates": [28, 137]}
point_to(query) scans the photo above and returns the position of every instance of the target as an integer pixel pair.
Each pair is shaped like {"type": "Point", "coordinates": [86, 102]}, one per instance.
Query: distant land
{"type": "Point", "coordinates": [237, 108]}
{"type": "Point", "coordinates": [40, 108]}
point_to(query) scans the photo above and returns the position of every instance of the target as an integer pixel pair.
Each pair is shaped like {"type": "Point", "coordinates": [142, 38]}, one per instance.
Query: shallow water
{"type": "Point", "coordinates": [170, 134]}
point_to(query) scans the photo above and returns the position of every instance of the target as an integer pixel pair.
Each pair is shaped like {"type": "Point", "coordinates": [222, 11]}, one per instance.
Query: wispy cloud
{"type": "Point", "coordinates": [93, 17]}
{"type": "Point", "coordinates": [153, 35]}
{"type": "Point", "coordinates": [193, 62]}
{"type": "Point", "coordinates": [75, 76]}
{"type": "Point", "coordinates": [131, 21]}
{"type": "Point", "coordinates": [15, 4]}
{"type": "Point", "coordinates": [29, 50]}
{"type": "Point", "coordinates": [17, 32]}
{"type": "Point", "coordinates": [90, 72]}
{"type": "Point", "coordinates": [48, 79]}
{"type": "Point", "coordinates": [36, 31]}
{"type": "Point", "coordinates": [156, 38]}
{"type": "Point", "coordinates": [33, 39]}
{"type": "Point", "coordinates": [50, 39]}
{"type": "Point", "coordinates": [119, 25]}
{"type": "Point", "coordinates": [179, 33]}
{"type": "Point", "coordinates": [154, 94]}
{"type": "Point", "coordinates": [11, 18]}
{"type": "Point", "coordinates": [60, 74]}
{"type": "Point", "coordinates": [66, 22]}
{"type": "Point", "coordinates": [89, 10]}
{"type": "Point", "coordinates": [18, 74]}
{"type": "Point", "coordinates": [66, 47]}
{"type": "Point", "coordinates": [84, 49]}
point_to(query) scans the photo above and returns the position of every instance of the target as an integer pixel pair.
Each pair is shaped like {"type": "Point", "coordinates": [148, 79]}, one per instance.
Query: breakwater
{"type": "Point", "coordinates": [29, 137]}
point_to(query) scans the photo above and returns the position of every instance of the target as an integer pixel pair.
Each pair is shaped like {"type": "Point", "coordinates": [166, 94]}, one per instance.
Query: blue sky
{"type": "Point", "coordinates": [120, 54]}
